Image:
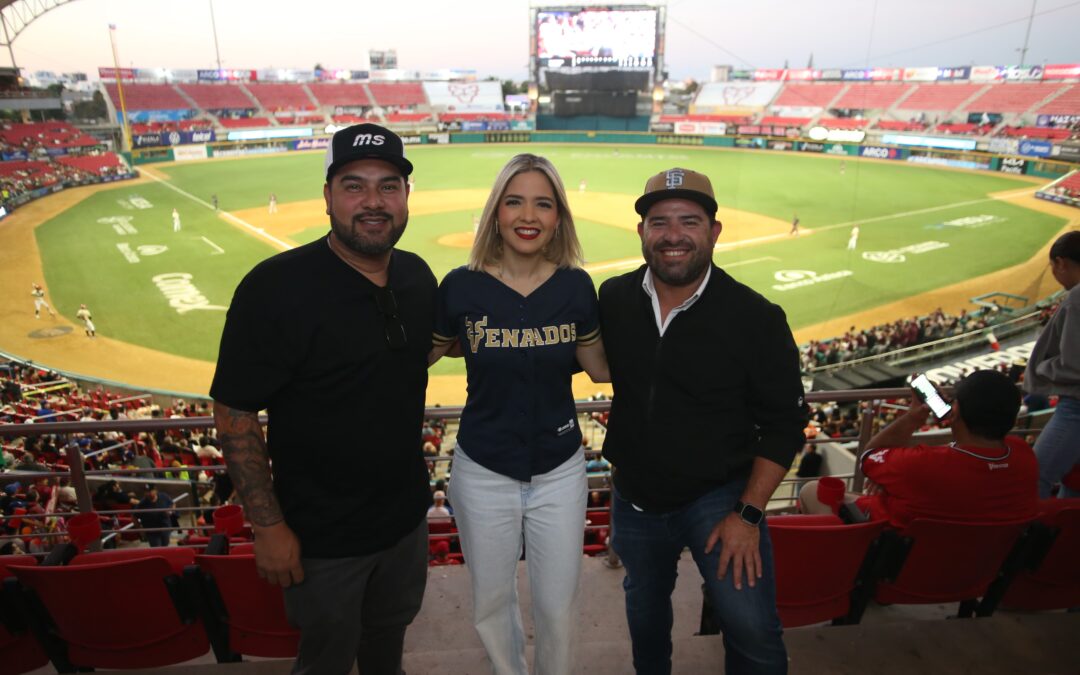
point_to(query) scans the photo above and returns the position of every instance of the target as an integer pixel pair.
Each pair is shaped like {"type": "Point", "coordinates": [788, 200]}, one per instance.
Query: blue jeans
{"type": "Point", "coordinates": [495, 514]}
{"type": "Point", "coordinates": [650, 544]}
{"type": "Point", "coordinates": [1058, 447]}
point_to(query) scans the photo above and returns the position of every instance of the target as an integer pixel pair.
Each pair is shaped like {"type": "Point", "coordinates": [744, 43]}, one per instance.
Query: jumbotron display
{"type": "Point", "coordinates": [596, 37]}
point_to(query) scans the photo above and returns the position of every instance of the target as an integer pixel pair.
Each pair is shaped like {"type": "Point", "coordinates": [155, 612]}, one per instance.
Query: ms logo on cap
{"type": "Point", "coordinates": [368, 139]}
{"type": "Point", "coordinates": [674, 179]}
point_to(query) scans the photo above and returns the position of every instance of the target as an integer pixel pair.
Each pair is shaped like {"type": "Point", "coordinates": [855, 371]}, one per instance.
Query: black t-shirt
{"type": "Point", "coordinates": [305, 340]}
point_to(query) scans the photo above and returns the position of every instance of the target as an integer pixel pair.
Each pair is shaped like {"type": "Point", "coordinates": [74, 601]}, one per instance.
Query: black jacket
{"type": "Point", "coordinates": [692, 409]}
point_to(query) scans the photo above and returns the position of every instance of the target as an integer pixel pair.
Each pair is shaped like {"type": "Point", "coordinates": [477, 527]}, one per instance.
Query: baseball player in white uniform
{"type": "Point", "coordinates": [175, 220]}
{"type": "Point", "coordinates": [39, 301]}
{"type": "Point", "coordinates": [88, 324]}
{"type": "Point", "coordinates": [853, 238]}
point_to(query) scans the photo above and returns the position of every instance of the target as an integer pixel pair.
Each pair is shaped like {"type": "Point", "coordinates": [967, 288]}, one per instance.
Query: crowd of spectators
{"type": "Point", "coordinates": [899, 334]}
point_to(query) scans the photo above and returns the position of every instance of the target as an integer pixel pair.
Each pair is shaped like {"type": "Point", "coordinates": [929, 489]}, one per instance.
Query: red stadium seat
{"type": "Point", "coordinates": [939, 561]}
{"type": "Point", "coordinates": [251, 610]}
{"type": "Point", "coordinates": [818, 566]}
{"type": "Point", "coordinates": [19, 651]}
{"type": "Point", "coordinates": [117, 613]}
{"type": "Point", "coordinates": [1051, 579]}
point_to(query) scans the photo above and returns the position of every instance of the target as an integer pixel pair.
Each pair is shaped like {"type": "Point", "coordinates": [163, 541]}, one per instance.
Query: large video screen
{"type": "Point", "coordinates": [582, 38]}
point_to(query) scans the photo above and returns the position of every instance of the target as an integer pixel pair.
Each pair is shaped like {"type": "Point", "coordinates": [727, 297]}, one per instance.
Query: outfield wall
{"type": "Point", "coordinates": [1032, 159]}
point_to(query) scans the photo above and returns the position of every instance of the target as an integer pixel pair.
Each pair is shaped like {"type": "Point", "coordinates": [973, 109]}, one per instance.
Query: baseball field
{"type": "Point", "coordinates": [927, 237]}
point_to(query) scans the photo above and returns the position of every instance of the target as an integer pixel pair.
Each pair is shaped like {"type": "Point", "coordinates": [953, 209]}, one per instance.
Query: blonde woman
{"type": "Point", "coordinates": [525, 316]}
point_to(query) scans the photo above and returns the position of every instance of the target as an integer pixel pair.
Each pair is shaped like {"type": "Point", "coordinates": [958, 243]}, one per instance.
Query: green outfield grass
{"type": "Point", "coordinates": [897, 205]}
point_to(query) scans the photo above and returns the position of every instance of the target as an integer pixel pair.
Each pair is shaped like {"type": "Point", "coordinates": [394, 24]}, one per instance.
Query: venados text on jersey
{"type": "Point", "coordinates": [478, 334]}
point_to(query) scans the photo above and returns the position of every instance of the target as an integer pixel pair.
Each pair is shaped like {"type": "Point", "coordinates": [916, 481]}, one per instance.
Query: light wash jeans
{"type": "Point", "coordinates": [495, 516]}
{"type": "Point", "coordinates": [1058, 447]}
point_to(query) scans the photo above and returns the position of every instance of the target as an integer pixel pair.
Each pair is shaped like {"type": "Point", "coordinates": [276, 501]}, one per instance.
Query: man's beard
{"type": "Point", "coordinates": [364, 244]}
{"type": "Point", "coordinates": [689, 271]}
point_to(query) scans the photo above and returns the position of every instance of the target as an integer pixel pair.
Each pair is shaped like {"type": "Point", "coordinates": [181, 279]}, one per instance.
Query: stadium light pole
{"type": "Point", "coordinates": [1027, 35]}
{"type": "Point", "coordinates": [213, 28]}
{"type": "Point", "coordinates": [120, 87]}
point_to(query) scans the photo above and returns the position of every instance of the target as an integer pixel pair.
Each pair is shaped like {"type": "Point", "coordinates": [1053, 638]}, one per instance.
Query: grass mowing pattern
{"type": "Point", "coordinates": [83, 263]}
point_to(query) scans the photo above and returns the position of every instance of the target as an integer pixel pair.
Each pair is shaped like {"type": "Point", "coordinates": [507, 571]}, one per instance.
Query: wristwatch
{"type": "Point", "coordinates": [750, 514]}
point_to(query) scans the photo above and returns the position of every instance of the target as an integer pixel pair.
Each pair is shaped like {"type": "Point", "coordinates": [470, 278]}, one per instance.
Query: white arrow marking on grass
{"type": "Point", "coordinates": [285, 246]}
{"type": "Point", "coordinates": [218, 249]}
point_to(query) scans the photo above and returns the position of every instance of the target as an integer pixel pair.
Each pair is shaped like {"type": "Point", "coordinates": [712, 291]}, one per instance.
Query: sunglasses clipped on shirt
{"type": "Point", "coordinates": [392, 325]}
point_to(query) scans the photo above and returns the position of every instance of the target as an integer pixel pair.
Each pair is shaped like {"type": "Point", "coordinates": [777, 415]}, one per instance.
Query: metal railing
{"type": "Point", "coordinates": [870, 403]}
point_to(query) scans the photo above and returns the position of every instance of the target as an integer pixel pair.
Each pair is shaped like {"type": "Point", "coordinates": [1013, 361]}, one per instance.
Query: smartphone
{"type": "Point", "coordinates": [931, 396]}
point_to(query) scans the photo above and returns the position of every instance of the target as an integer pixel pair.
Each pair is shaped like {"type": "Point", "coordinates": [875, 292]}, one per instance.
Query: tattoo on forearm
{"type": "Point", "coordinates": [244, 447]}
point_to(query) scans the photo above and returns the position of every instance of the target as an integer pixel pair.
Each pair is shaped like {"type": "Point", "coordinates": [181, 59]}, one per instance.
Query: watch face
{"type": "Point", "coordinates": [751, 514]}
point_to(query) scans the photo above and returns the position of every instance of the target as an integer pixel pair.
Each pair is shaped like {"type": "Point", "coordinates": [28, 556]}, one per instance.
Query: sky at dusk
{"type": "Point", "coordinates": [492, 37]}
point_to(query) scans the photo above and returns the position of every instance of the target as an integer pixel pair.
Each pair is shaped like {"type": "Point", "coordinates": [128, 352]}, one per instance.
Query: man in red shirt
{"type": "Point", "coordinates": [982, 476]}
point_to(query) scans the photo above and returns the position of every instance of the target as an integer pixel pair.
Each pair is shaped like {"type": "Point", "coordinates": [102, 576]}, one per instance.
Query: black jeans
{"type": "Point", "coordinates": [357, 609]}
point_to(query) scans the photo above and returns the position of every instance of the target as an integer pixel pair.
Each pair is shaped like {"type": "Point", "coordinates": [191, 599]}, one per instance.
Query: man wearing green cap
{"type": "Point", "coordinates": [707, 416]}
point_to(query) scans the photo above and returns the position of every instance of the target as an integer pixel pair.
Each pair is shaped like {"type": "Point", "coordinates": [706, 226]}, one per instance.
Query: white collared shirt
{"type": "Point", "coordinates": [650, 290]}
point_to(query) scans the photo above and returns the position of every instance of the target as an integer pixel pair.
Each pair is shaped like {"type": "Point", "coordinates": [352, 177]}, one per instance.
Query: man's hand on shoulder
{"type": "Point", "coordinates": [277, 555]}
{"type": "Point", "coordinates": [740, 546]}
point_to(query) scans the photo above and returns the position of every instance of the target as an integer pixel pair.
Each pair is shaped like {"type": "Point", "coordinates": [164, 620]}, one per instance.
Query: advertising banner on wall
{"type": "Point", "coordinates": [985, 73]}
{"type": "Point", "coordinates": [855, 74]}
{"type": "Point", "coordinates": [878, 152]}
{"type": "Point", "coordinates": [769, 74]}
{"type": "Point", "coordinates": [172, 138]}
{"type": "Point", "coordinates": [801, 74]}
{"type": "Point", "coordinates": [722, 97]}
{"type": "Point", "coordinates": [189, 152]}
{"type": "Point", "coordinates": [1022, 72]}
{"type": "Point", "coordinates": [701, 128]}
{"type": "Point", "coordinates": [310, 143]}
{"type": "Point", "coordinates": [465, 96]}
{"type": "Point", "coordinates": [1032, 148]}
{"type": "Point", "coordinates": [886, 74]}
{"type": "Point", "coordinates": [1013, 165]}
{"type": "Point", "coordinates": [1005, 146]}
{"type": "Point", "coordinates": [929, 74]}
{"type": "Point", "coordinates": [110, 73]}
{"type": "Point", "coordinates": [958, 73]}
{"type": "Point", "coordinates": [1056, 120]}
{"type": "Point", "coordinates": [227, 75]}
{"type": "Point", "coordinates": [1059, 71]}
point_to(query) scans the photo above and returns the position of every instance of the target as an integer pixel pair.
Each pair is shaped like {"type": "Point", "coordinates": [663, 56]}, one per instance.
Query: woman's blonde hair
{"type": "Point", "coordinates": [564, 249]}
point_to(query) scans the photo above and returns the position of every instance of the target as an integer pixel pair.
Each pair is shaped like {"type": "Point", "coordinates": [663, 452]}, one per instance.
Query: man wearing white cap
{"type": "Point", "coordinates": [693, 351]}
{"type": "Point", "coordinates": [330, 338]}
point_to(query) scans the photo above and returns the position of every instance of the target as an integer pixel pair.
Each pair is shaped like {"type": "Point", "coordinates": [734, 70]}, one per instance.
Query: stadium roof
{"type": "Point", "coordinates": [18, 14]}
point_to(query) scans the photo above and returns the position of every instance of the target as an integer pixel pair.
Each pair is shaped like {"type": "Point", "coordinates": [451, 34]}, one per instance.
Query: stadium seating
{"type": "Point", "coordinates": [404, 94]}
{"type": "Point", "coordinates": [866, 96]}
{"type": "Point", "coordinates": [45, 134]}
{"type": "Point", "coordinates": [1012, 98]}
{"type": "Point", "coordinates": [808, 95]}
{"type": "Point", "coordinates": [1050, 578]}
{"type": "Point", "coordinates": [958, 128]}
{"type": "Point", "coordinates": [244, 122]}
{"type": "Point", "coordinates": [940, 97]}
{"type": "Point", "coordinates": [340, 94]}
{"type": "Point", "coordinates": [94, 163]}
{"type": "Point", "coordinates": [843, 123]}
{"type": "Point", "coordinates": [472, 116]}
{"type": "Point", "coordinates": [408, 117]}
{"type": "Point", "coordinates": [1036, 132]}
{"type": "Point", "coordinates": [785, 121]}
{"type": "Point", "coordinates": [147, 97]}
{"type": "Point", "coordinates": [217, 96]}
{"type": "Point", "coordinates": [352, 119]}
{"type": "Point", "coordinates": [727, 119]}
{"type": "Point", "coordinates": [281, 96]}
{"type": "Point", "coordinates": [938, 561]}
{"type": "Point", "coordinates": [250, 611]}
{"type": "Point", "coordinates": [1067, 103]}
{"type": "Point", "coordinates": [818, 565]}
{"type": "Point", "coordinates": [897, 125]}
{"type": "Point", "coordinates": [113, 612]}
{"type": "Point", "coordinates": [19, 651]}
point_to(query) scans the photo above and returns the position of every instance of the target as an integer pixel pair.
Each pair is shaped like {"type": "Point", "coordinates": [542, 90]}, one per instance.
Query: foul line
{"type": "Point", "coordinates": [215, 246]}
{"type": "Point", "coordinates": [258, 231]}
{"type": "Point", "coordinates": [1005, 196]}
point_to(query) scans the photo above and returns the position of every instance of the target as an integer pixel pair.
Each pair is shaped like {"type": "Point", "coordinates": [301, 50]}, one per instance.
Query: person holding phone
{"type": "Point", "coordinates": [984, 475]}
{"type": "Point", "coordinates": [1054, 368]}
